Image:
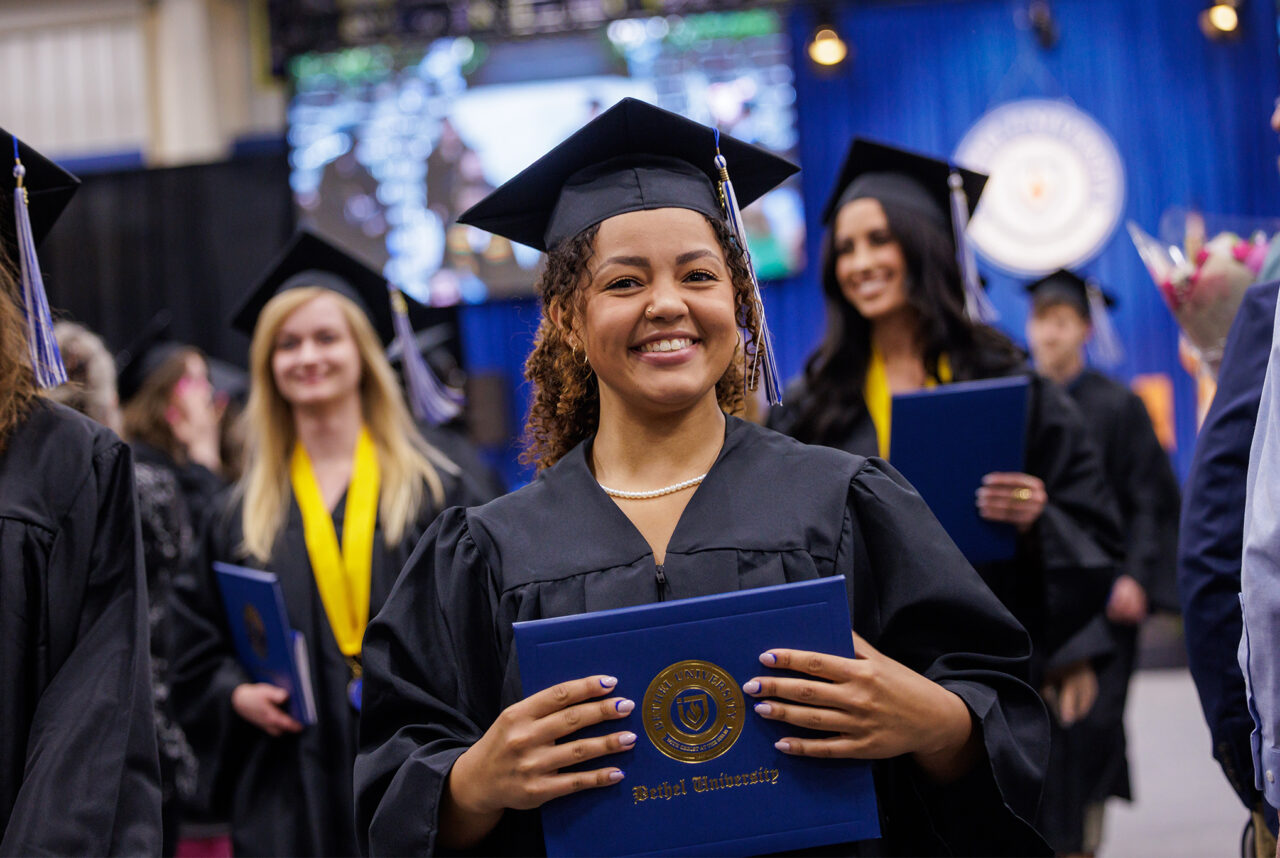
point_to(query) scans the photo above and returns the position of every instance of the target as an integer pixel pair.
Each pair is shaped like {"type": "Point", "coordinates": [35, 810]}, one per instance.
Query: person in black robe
{"type": "Point", "coordinates": [78, 767]}
{"type": "Point", "coordinates": [896, 306]}
{"type": "Point", "coordinates": [645, 293]}
{"type": "Point", "coordinates": [168, 544]}
{"type": "Point", "coordinates": [1090, 754]}
{"type": "Point", "coordinates": [321, 387]}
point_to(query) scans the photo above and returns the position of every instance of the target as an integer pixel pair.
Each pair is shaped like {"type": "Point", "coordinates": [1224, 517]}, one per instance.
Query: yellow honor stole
{"type": "Point", "coordinates": [342, 574]}
{"type": "Point", "coordinates": [880, 399]}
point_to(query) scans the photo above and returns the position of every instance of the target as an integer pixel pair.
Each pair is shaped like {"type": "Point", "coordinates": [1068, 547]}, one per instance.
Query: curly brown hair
{"type": "Point", "coordinates": [17, 380]}
{"type": "Point", "coordinates": [566, 397]}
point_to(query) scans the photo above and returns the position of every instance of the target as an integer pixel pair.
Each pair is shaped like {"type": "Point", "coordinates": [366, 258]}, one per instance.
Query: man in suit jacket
{"type": "Point", "coordinates": [1211, 540]}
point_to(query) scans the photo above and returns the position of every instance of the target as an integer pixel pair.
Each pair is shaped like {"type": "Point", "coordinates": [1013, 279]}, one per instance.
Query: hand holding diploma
{"type": "Point", "coordinates": [516, 763]}
{"type": "Point", "coordinates": [259, 703]}
{"type": "Point", "coordinates": [1012, 498]}
{"type": "Point", "coordinates": [877, 708]}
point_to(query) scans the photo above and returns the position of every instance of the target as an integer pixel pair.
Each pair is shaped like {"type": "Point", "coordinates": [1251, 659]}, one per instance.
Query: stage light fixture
{"type": "Point", "coordinates": [1221, 20]}
{"type": "Point", "coordinates": [826, 48]}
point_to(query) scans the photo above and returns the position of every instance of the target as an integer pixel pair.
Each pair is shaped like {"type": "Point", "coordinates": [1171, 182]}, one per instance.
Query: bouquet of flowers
{"type": "Point", "coordinates": [1203, 278]}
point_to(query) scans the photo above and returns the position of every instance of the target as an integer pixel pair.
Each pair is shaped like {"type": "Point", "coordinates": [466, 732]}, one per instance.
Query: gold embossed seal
{"type": "Point", "coordinates": [693, 711]}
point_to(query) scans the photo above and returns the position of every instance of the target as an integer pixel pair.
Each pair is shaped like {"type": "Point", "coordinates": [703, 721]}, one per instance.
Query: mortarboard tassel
{"type": "Point", "coordinates": [764, 360]}
{"type": "Point", "coordinates": [977, 305]}
{"type": "Point", "coordinates": [46, 360]}
{"type": "Point", "coordinates": [1104, 347]}
{"type": "Point", "coordinates": [430, 400]}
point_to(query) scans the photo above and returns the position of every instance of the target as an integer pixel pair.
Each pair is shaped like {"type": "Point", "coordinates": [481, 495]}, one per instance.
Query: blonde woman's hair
{"type": "Point", "coordinates": [404, 457]}
{"type": "Point", "coordinates": [91, 375]}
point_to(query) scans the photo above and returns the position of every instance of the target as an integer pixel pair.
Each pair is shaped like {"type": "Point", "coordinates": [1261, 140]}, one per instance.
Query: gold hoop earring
{"type": "Point", "coordinates": [580, 356]}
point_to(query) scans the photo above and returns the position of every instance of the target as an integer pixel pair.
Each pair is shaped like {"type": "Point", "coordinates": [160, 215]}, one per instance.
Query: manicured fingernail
{"type": "Point", "coordinates": [616, 775]}
{"type": "Point", "coordinates": [782, 745]}
{"type": "Point", "coordinates": [752, 687]}
{"type": "Point", "coordinates": [768, 658]}
{"type": "Point", "coordinates": [627, 738]}
{"type": "Point", "coordinates": [625, 706]}
{"type": "Point", "coordinates": [763, 708]}
{"type": "Point", "coordinates": [608, 681]}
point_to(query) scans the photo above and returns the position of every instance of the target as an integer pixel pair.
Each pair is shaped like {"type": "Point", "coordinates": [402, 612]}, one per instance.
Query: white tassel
{"type": "Point", "coordinates": [430, 400]}
{"type": "Point", "coordinates": [1104, 348]}
{"type": "Point", "coordinates": [977, 305]}
{"type": "Point", "coordinates": [46, 360]}
{"type": "Point", "coordinates": [764, 362]}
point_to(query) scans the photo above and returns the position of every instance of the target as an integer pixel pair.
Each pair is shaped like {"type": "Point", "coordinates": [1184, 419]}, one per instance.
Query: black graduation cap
{"type": "Point", "coordinates": [1066, 287]}
{"type": "Point", "coordinates": [915, 181]}
{"type": "Point", "coordinates": [632, 157]}
{"type": "Point", "coordinates": [309, 260]}
{"type": "Point", "coordinates": [144, 355]}
{"type": "Point", "coordinates": [49, 189]}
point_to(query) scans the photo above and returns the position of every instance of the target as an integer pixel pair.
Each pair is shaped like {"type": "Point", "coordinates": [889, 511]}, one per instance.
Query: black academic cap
{"type": "Point", "coordinates": [49, 189]}
{"type": "Point", "coordinates": [915, 181]}
{"type": "Point", "coordinates": [632, 157]}
{"type": "Point", "coordinates": [1067, 287]}
{"type": "Point", "coordinates": [148, 351]}
{"type": "Point", "coordinates": [309, 260]}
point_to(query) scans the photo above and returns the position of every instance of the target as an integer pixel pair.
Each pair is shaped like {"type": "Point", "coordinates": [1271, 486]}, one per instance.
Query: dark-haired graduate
{"type": "Point", "coordinates": [901, 317]}
{"type": "Point", "coordinates": [1069, 319]}
{"type": "Point", "coordinates": [338, 488]}
{"type": "Point", "coordinates": [79, 774]}
{"type": "Point", "coordinates": [648, 490]}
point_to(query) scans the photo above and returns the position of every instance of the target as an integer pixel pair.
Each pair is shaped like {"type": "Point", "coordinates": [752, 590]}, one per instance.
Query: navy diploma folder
{"type": "Point", "coordinates": [946, 439]}
{"type": "Point", "coordinates": [704, 777]}
{"type": "Point", "coordinates": [267, 647]}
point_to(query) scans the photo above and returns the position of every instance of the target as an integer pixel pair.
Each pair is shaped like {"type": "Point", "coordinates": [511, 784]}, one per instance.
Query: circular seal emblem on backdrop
{"type": "Point", "coordinates": [1057, 185]}
{"type": "Point", "coordinates": [693, 711]}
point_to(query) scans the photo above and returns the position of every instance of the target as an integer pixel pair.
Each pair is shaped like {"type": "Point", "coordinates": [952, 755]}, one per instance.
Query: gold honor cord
{"type": "Point", "coordinates": [342, 574]}
{"type": "Point", "coordinates": [880, 399]}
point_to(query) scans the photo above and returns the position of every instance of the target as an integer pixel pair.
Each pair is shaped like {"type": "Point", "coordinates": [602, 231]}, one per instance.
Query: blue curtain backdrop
{"type": "Point", "coordinates": [1190, 118]}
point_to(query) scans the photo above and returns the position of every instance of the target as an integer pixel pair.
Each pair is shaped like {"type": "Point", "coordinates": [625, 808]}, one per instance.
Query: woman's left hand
{"type": "Point", "coordinates": [1013, 498]}
{"type": "Point", "coordinates": [876, 707]}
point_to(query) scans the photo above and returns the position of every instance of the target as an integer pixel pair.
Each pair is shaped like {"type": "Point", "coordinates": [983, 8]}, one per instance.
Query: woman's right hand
{"type": "Point", "coordinates": [259, 703]}
{"type": "Point", "coordinates": [516, 763]}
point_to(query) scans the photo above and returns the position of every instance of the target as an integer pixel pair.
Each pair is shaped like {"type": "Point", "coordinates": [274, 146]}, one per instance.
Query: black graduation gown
{"type": "Point", "coordinates": [78, 767]}
{"type": "Point", "coordinates": [1088, 763]}
{"type": "Point", "coordinates": [289, 795]}
{"type": "Point", "coordinates": [439, 663]}
{"type": "Point", "coordinates": [1057, 583]}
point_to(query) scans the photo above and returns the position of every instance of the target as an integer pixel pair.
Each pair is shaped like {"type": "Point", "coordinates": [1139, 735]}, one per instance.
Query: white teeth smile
{"type": "Point", "coordinates": [667, 345]}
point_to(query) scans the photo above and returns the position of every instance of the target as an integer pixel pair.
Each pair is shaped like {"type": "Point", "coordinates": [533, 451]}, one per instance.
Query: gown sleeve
{"type": "Point", "coordinates": [1149, 504]}
{"type": "Point", "coordinates": [91, 780]}
{"type": "Point", "coordinates": [205, 668]}
{"type": "Point", "coordinates": [925, 606]}
{"type": "Point", "coordinates": [1077, 539]}
{"type": "Point", "coordinates": [432, 674]}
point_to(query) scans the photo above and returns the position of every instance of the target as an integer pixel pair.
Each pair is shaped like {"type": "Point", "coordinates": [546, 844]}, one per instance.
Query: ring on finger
{"type": "Point", "coordinates": [1022, 495]}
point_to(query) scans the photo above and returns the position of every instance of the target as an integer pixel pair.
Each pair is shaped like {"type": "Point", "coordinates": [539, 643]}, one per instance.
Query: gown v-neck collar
{"type": "Point", "coordinates": [581, 481]}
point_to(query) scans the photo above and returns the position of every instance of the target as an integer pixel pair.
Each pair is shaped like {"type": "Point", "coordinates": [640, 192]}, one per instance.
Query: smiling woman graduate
{"type": "Point", "coordinates": [648, 490]}
{"type": "Point", "coordinates": [338, 488]}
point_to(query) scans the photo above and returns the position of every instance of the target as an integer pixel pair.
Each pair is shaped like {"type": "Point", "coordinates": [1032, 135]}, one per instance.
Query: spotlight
{"type": "Point", "coordinates": [1043, 24]}
{"type": "Point", "coordinates": [1221, 20]}
{"type": "Point", "coordinates": [826, 48]}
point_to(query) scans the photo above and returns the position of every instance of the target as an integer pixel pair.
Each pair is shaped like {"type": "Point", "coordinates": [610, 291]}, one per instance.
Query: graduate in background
{"type": "Point", "coordinates": [647, 491]}
{"type": "Point", "coordinates": [337, 489]}
{"type": "Point", "coordinates": [78, 768]}
{"type": "Point", "coordinates": [171, 418]}
{"type": "Point", "coordinates": [897, 321]}
{"type": "Point", "coordinates": [1089, 755]}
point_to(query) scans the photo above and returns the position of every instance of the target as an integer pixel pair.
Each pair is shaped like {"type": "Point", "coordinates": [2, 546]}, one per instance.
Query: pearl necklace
{"type": "Point", "coordinates": [656, 493]}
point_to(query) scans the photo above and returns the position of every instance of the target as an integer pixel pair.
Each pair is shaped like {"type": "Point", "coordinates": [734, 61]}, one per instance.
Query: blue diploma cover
{"type": "Point", "coordinates": [946, 439]}
{"type": "Point", "coordinates": [703, 777]}
{"type": "Point", "coordinates": [267, 647]}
